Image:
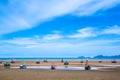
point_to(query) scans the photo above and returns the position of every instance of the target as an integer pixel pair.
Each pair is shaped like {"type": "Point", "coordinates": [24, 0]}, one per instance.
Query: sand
{"type": "Point", "coordinates": [112, 73]}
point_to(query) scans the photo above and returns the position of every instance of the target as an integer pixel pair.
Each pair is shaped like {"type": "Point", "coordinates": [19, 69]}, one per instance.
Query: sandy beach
{"type": "Point", "coordinates": [110, 73]}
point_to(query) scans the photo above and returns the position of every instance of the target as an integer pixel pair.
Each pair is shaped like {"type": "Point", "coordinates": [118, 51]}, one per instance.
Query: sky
{"type": "Point", "coordinates": [59, 28]}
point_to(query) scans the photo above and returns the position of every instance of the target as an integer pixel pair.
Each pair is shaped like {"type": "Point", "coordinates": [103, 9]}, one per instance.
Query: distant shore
{"type": "Point", "coordinates": [55, 58]}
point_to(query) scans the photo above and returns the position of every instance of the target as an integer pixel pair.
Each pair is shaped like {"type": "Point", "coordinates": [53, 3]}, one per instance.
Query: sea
{"type": "Point", "coordinates": [54, 58]}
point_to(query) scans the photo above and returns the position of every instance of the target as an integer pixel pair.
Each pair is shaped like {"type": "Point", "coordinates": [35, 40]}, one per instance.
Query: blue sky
{"type": "Point", "coordinates": [59, 28]}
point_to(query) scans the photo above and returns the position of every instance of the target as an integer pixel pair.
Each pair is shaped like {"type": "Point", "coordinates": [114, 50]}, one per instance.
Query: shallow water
{"type": "Point", "coordinates": [59, 67]}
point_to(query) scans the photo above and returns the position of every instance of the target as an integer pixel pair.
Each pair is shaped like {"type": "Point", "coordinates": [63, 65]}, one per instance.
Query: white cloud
{"type": "Point", "coordinates": [21, 41]}
{"type": "Point", "coordinates": [112, 30]}
{"type": "Point", "coordinates": [52, 37]}
{"type": "Point", "coordinates": [20, 15]}
{"type": "Point", "coordinates": [96, 5]}
{"type": "Point", "coordinates": [59, 48]}
{"type": "Point", "coordinates": [56, 36]}
{"type": "Point", "coordinates": [33, 41]}
{"type": "Point", "coordinates": [88, 32]}
{"type": "Point", "coordinates": [84, 33]}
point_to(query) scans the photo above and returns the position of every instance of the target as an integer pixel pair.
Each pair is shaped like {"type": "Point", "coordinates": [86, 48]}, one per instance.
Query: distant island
{"type": "Point", "coordinates": [101, 57]}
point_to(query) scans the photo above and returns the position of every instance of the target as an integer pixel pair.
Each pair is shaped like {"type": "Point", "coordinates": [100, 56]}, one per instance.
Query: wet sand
{"type": "Point", "coordinates": [112, 73]}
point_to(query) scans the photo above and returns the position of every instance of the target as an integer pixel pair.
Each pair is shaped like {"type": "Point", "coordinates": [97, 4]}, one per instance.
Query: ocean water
{"type": "Point", "coordinates": [40, 58]}
{"type": "Point", "coordinates": [53, 59]}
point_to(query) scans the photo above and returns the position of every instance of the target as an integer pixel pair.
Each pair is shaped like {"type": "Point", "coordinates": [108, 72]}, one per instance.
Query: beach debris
{"type": "Point", "coordinates": [23, 66]}
{"type": "Point", "coordinates": [45, 60]}
{"type": "Point", "coordinates": [53, 67]}
{"type": "Point", "coordinates": [100, 61]}
{"type": "Point", "coordinates": [0, 62]}
{"type": "Point", "coordinates": [6, 65]}
{"type": "Point", "coordinates": [86, 61]}
{"type": "Point", "coordinates": [66, 63]}
{"type": "Point", "coordinates": [87, 66]}
{"type": "Point", "coordinates": [62, 61]}
{"type": "Point", "coordinates": [81, 62]}
{"type": "Point", "coordinates": [113, 61]}
{"type": "Point", "coordinates": [37, 62]}
{"type": "Point", "coordinates": [12, 61]}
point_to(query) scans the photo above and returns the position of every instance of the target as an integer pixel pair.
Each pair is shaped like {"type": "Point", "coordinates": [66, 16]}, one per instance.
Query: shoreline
{"type": "Point", "coordinates": [45, 58]}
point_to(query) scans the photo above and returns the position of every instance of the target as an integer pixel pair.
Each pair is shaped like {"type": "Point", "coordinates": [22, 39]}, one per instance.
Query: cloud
{"type": "Point", "coordinates": [56, 36]}
{"type": "Point", "coordinates": [19, 15]}
{"type": "Point", "coordinates": [96, 5]}
{"type": "Point", "coordinates": [35, 47]}
{"type": "Point", "coordinates": [84, 33]}
{"type": "Point", "coordinates": [52, 37]}
{"type": "Point", "coordinates": [35, 40]}
{"type": "Point", "coordinates": [21, 41]}
{"type": "Point", "coordinates": [112, 30]}
{"type": "Point", "coordinates": [89, 32]}
{"type": "Point", "coordinates": [57, 44]}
